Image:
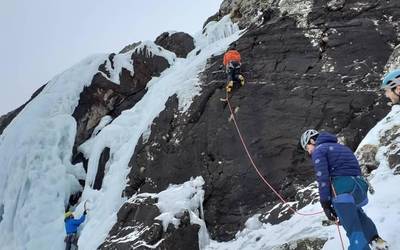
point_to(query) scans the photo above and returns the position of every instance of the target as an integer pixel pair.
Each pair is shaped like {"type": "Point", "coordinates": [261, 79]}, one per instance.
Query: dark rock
{"type": "Point", "coordinates": [180, 43]}
{"type": "Point", "coordinates": [105, 155]}
{"type": "Point", "coordinates": [304, 244]}
{"type": "Point", "coordinates": [96, 101]}
{"type": "Point", "coordinates": [397, 170]}
{"type": "Point", "coordinates": [294, 81]}
{"type": "Point", "coordinates": [146, 65]}
{"type": "Point", "coordinates": [290, 87]}
{"type": "Point", "coordinates": [135, 216]}
{"type": "Point", "coordinates": [139, 216]}
{"type": "Point", "coordinates": [1, 211]}
{"type": "Point", "coordinates": [104, 97]}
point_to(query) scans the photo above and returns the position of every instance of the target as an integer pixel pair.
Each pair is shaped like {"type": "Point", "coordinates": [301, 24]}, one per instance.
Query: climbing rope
{"type": "Point", "coordinates": [262, 177]}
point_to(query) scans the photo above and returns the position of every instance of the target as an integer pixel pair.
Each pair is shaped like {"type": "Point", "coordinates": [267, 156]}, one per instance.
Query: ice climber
{"type": "Point", "coordinates": [71, 228]}
{"type": "Point", "coordinates": [391, 85]}
{"type": "Point", "coordinates": [342, 189]}
{"type": "Point", "coordinates": [232, 63]}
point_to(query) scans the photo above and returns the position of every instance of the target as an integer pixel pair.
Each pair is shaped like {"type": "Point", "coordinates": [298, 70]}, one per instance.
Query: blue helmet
{"type": "Point", "coordinates": [391, 79]}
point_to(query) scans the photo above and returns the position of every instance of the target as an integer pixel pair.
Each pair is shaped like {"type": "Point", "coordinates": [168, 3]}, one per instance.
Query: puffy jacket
{"type": "Point", "coordinates": [71, 225]}
{"type": "Point", "coordinates": [231, 55]}
{"type": "Point", "coordinates": [332, 159]}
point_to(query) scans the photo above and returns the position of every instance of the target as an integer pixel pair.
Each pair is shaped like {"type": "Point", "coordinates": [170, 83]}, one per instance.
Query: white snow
{"type": "Point", "coordinates": [37, 176]}
{"type": "Point", "coordinates": [124, 61]}
{"type": "Point", "coordinates": [103, 122]}
{"type": "Point", "coordinates": [120, 61]}
{"type": "Point", "coordinates": [177, 199]}
{"type": "Point", "coordinates": [153, 49]}
{"type": "Point", "coordinates": [188, 196]}
{"type": "Point", "coordinates": [214, 32]}
{"type": "Point", "coordinates": [171, 32]}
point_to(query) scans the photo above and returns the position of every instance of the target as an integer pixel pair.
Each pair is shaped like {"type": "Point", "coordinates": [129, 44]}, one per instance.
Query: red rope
{"type": "Point", "coordinates": [263, 178]}
{"type": "Point", "coordinates": [340, 234]}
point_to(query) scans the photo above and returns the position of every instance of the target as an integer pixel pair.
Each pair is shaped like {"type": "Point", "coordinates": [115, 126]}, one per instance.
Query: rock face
{"type": "Point", "coordinates": [138, 217]}
{"type": "Point", "coordinates": [104, 97]}
{"type": "Point", "coordinates": [307, 64]}
{"type": "Point", "coordinates": [180, 43]}
{"type": "Point", "coordinates": [314, 69]}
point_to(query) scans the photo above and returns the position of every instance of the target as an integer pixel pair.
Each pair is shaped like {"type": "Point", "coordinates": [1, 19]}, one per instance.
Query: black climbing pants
{"type": "Point", "coordinates": [233, 72]}
{"type": "Point", "coordinates": [71, 242]}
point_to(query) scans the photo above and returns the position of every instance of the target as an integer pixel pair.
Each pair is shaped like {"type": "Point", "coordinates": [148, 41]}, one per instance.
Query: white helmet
{"type": "Point", "coordinates": [306, 136]}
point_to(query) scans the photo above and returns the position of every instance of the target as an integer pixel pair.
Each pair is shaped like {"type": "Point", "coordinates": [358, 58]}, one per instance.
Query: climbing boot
{"type": "Point", "coordinates": [241, 78]}
{"type": "Point", "coordinates": [229, 87]}
{"type": "Point", "coordinates": [379, 244]}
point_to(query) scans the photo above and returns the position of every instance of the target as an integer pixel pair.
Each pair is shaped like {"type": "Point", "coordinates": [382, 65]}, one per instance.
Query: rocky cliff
{"type": "Point", "coordinates": [307, 64]}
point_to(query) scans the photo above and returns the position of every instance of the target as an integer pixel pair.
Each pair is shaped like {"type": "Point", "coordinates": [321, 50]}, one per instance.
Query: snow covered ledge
{"type": "Point", "coordinates": [176, 200]}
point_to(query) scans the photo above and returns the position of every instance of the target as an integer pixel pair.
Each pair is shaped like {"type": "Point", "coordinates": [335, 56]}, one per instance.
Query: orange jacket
{"type": "Point", "coordinates": [231, 55]}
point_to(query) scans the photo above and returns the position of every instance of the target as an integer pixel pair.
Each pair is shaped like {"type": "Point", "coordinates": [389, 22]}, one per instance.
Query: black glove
{"type": "Point", "coordinates": [328, 210]}
{"type": "Point", "coordinates": [84, 212]}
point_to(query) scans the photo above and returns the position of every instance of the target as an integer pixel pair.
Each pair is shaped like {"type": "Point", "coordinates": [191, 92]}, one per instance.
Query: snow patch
{"type": "Point", "coordinates": [187, 197]}
{"type": "Point", "coordinates": [151, 49]}
{"type": "Point", "coordinates": [103, 122]}
{"type": "Point", "coordinates": [120, 61]}
{"type": "Point", "coordinates": [328, 64]}
{"type": "Point", "coordinates": [215, 31]}
{"type": "Point", "coordinates": [178, 199]}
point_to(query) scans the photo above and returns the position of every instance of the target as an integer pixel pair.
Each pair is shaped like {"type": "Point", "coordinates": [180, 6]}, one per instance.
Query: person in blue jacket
{"type": "Point", "coordinates": [342, 189]}
{"type": "Point", "coordinates": [71, 228]}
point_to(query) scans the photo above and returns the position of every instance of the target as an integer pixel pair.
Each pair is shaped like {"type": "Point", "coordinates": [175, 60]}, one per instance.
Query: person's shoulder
{"type": "Point", "coordinates": [321, 147]}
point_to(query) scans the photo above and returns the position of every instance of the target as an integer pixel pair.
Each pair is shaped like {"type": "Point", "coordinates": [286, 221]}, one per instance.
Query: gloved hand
{"type": "Point", "coordinates": [328, 210]}
{"type": "Point", "coordinates": [84, 212]}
